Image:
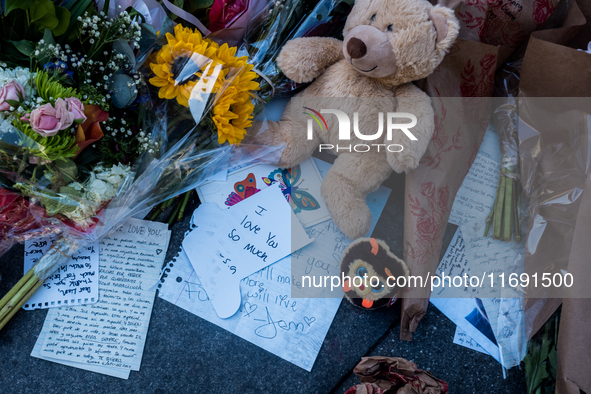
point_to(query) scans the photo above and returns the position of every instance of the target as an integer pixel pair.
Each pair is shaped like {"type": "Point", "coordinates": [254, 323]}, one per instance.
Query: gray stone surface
{"type": "Point", "coordinates": [185, 354]}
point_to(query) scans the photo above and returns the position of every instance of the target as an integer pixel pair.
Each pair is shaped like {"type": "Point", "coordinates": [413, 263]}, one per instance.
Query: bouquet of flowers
{"type": "Point", "coordinates": [82, 148]}
{"type": "Point", "coordinates": [66, 137]}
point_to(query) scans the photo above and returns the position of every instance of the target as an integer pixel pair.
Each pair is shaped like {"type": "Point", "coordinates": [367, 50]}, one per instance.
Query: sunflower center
{"type": "Point", "coordinates": [177, 68]}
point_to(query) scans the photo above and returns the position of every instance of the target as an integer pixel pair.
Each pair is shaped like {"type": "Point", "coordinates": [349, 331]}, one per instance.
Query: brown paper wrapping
{"type": "Point", "coordinates": [566, 72]}
{"type": "Point", "coordinates": [397, 375]}
{"type": "Point", "coordinates": [467, 71]}
{"type": "Point", "coordinates": [506, 23]}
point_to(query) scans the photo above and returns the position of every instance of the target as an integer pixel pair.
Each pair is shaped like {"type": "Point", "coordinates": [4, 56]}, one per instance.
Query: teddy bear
{"type": "Point", "coordinates": [387, 45]}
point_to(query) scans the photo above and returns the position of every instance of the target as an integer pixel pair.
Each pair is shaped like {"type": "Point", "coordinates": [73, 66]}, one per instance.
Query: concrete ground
{"type": "Point", "coordinates": [186, 354]}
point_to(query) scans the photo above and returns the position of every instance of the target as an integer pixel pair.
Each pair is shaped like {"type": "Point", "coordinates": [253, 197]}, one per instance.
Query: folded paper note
{"type": "Point", "coordinates": [109, 336]}
{"type": "Point", "coordinates": [74, 283]}
{"type": "Point", "coordinates": [250, 236]}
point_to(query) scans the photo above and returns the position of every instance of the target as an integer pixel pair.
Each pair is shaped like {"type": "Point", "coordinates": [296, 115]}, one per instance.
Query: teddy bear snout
{"type": "Point", "coordinates": [369, 50]}
{"type": "Point", "coordinates": [356, 48]}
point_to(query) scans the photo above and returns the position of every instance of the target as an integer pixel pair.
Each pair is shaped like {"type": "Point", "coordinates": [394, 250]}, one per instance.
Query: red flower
{"type": "Point", "coordinates": [225, 12]}
{"type": "Point", "coordinates": [426, 227]}
{"type": "Point", "coordinates": [428, 189]}
{"type": "Point", "coordinates": [17, 218]}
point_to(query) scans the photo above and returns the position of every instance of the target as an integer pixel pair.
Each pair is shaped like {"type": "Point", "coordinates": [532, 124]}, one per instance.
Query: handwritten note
{"type": "Point", "coordinates": [293, 329]}
{"type": "Point", "coordinates": [111, 333]}
{"type": "Point", "coordinates": [74, 283]}
{"type": "Point", "coordinates": [475, 255]}
{"type": "Point", "coordinates": [244, 239]}
{"type": "Point", "coordinates": [478, 191]}
{"type": "Point", "coordinates": [463, 339]}
{"type": "Point", "coordinates": [289, 327]}
{"type": "Point", "coordinates": [503, 304]}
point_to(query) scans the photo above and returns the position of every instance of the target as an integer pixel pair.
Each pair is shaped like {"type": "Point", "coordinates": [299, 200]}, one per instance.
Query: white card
{"type": "Point", "coordinates": [301, 187]}
{"type": "Point", "coordinates": [250, 236]}
{"type": "Point", "coordinates": [74, 283]}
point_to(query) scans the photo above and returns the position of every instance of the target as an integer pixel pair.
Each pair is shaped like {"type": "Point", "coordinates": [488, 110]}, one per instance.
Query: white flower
{"type": "Point", "coordinates": [100, 187]}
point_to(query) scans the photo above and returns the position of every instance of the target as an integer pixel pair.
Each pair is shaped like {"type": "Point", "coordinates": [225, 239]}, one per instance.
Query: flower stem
{"type": "Point", "coordinates": [499, 208]}
{"type": "Point", "coordinates": [184, 205]}
{"type": "Point", "coordinates": [155, 212]}
{"type": "Point", "coordinates": [16, 288]}
{"type": "Point", "coordinates": [26, 287]}
{"type": "Point", "coordinates": [517, 200]}
{"type": "Point", "coordinates": [5, 318]}
{"type": "Point", "coordinates": [174, 214]}
{"type": "Point", "coordinates": [508, 209]}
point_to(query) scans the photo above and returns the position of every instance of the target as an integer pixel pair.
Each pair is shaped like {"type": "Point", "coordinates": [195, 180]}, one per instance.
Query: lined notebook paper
{"type": "Point", "coordinates": [74, 283]}
{"type": "Point", "coordinates": [109, 336]}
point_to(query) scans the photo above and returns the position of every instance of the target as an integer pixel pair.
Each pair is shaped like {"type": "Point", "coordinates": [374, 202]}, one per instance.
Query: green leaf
{"type": "Point", "coordinates": [123, 48]}
{"type": "Point", "coordinates": [68, 170]}
{"type": "Point", "coordinates": [25, 47]}
{"type": "Point", "coordinates": [48, 39]}
{"type": "Point", "coordinates": [167, 27]}
{"type": "Point", "coordinates": [63, 16]}
{"type": "Point", "coordinates": [13, 56]}
{"type": "Point", "coordinates": [200, 4]}
{"type": "Point", "coordinates": [43, 14]}
{"type": "Point", "coordinates": [149, 37]}
{"type": "Point", "coordinates": [122, 94]}
{"type": "Point", "coordinates": [76, 9]}
{"type": "Point", "coordinates": [70, 191]}
{"type": "Point", "coordinates": [553, 362]}
{"type": "Point", "coordinates": [17, 5]}
{"type": "Point", "coordinates": [13, 103]}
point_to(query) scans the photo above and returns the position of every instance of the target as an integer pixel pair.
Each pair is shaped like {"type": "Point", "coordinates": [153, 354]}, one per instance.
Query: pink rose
{"type": "Point", "coordinates": [62, 114]}
{"type": "Point", "coordinates": [77, 109]}
{"type": "Point", "coordinates": [43, 120]}
{"type": "Point", "coordinates": [48, 120]}
{"type": "Point", "coordinates": [10, 91]}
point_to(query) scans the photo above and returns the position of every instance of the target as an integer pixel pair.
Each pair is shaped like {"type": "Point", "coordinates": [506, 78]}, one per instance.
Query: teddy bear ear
{"type": "Point", "coordinates": [447, 27]}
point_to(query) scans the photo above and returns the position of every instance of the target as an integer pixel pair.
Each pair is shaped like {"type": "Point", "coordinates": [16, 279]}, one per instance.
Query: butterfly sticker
{"type": "Point", "coordinates": [243, 190]}
{"type": "Point", "coordinates": [299, 199]}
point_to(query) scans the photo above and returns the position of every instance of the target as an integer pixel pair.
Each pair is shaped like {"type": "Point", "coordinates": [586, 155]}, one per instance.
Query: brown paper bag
{"type": "Point", "coordinates": [566, 72]}
{"type": "Point", "coordinates": [465, 72]}
{"type": "Point", "coordinates": [468, 71]}
{"type": "Point", "coordinates": [506, 23]}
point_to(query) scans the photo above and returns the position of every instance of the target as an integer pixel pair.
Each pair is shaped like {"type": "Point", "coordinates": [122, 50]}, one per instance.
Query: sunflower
{"type": "Point", "coordinates": [232, 110]}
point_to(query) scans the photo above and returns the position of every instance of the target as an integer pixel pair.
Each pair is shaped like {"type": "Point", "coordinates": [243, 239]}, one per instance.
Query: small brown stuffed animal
{"type": "Point", "coordinates": [366, 266]}
{"type": "Point", "coordinates": [388, 44]}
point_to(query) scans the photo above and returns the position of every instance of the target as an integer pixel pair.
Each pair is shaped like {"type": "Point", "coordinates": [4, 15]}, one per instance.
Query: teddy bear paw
{"type": "Point", "coordinates": [296, 62]}
{"type": "Point", "coordinates": [403, 163]}
{"type": "Point", "coordinates": [356, 222]}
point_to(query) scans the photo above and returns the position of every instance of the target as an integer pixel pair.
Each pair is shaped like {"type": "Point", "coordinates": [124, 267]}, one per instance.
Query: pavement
{"type": "Point", "coordinates": [186, 354]}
